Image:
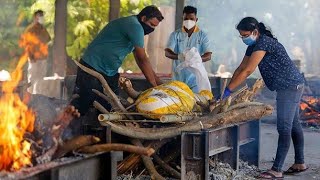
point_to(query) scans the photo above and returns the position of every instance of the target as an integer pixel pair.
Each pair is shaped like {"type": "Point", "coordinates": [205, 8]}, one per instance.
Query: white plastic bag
{"type": "Point", "coordinates": [193, 62]}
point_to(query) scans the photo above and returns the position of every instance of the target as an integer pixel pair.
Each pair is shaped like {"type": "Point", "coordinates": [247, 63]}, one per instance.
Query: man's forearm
{"type": "Point", "coordinates": [148, 72]}
{"type": "Point", "coordinates": [170, 54]}
{"type": "Point", "coordinates": [206, 57]}
{"type": "Point", "coordinates": [144, 64]}
{"type": "Point", "coordinates": [158, 80]}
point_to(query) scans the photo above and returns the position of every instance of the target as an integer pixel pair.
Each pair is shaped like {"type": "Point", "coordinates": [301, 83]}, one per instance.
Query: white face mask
{"type": "Point", "coordinates": [189, 24]}
{"type": "Point", "coordinates": [40, 20]}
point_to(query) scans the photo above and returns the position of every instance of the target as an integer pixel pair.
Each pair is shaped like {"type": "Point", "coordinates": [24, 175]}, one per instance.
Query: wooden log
{"type": "Point", "coordinates": [216, 107]}
{"type": "Point", "coordinates": [248, 95]}
{"type": "Point", "coordinates": [129, 163]}
{"type": "Point", "coordinates": [126, 85]}
{"type": "Point", "coordinates": [202, 107]}
{"type": "Point", "coordinates": [225, 104]}
{"type": "Point", "coordinates": [109, 117]}
{"type": "Point", "coordinates": [35, 147]}
{"type": "Point", "coordinates": [305, 118]}
{"type": "Point", "coordinates": [257, 86]}
{"type": "Point", "coordinates": [148, 163]}
{"type": "Point", "coordinates": [310, 105]}
{"type": "Point", "coordinates": [112, 97]}
{"type": "Point", "coordinates": [116, 147]}
{"type": "Point", "coordinates": [244, 104]}
{"type": "Point", "coordinates": [224, 85]}
{"type": "Point", "coordinates": [99, 107]}
{"type": "Point", "coordinates": [122, 101]}
{"type": "Point", "coordinates": [103, 96]}
{"type": "Point", "coordinates": [176, 118]}
{"type": "Point", "coordinates": [251, 112]}
{"type": "Point", "coordinates": [133, 160]}
{"type": "Point", "coordinates": [47, 156]}
{"type": "Point", "coordinates": [74, 144]}
{"type": "Point", "coordinates": [155, 133]}
{"type": "Point", "coordinates": [166, 167]}
{"type": "Point", "coordinates": [126, 102]}
{"type": "Point", "coordinates": [62, 121]}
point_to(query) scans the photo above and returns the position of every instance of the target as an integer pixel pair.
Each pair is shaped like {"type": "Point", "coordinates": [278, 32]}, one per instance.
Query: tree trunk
{"type": "Point", "coordinates": [60, 38]}
{"type": "Point", "coordinates": [114, 9]}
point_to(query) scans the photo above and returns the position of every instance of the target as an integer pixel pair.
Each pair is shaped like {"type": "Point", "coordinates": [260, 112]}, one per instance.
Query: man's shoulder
{"type": "Point", "coordinates": [176, 32]}
{"type": "Point", "coordinates": [30, 27]}
{"type": "Point", "coordinates": [131, 20]}
{"type": "Point", "coordinates": [129, 23]}
{"type": "Point", "coordinates": [202, 32]}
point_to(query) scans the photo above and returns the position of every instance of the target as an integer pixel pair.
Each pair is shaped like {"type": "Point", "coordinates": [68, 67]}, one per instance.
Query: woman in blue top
{"type": "Point", "coordinates": [281, 75]}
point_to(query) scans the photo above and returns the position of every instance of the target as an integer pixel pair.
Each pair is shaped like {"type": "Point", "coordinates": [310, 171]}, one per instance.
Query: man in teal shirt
{"type": "Point", "coordinates": [107, 51]}
{"type": "Point", "coordinates": [185, 38]}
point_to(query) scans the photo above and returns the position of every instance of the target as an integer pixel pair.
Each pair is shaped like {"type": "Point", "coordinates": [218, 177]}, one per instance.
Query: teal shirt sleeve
{"type": "Point", "coordinates": [205, 44]}
{"type": "Point", "coordinates": [136, 36]}
{"type": "Point", "coordinates": [172, 42]}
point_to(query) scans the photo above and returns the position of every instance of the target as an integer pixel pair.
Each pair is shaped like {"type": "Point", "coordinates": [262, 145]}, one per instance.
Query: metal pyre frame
{"type": "Point", "coordinates": [97, 166]}
{"type": "Point", "coordinates": [227, 144]}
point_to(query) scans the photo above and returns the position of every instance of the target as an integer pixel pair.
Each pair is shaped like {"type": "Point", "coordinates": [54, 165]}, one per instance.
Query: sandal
{"type": "Point", "coordinates": [269, 175]}
{"type": "Point", "coordinates": [292, 170]}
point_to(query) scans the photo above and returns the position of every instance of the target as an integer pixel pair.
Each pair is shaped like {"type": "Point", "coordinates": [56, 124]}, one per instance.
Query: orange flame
{"type": "Point", "coordinates": [15, 120]}
{"type": "Point", "coordinates": [34, 47]}
{"type": "Point", "coordinates": [310, 100]}
{"type": "Point", "coordinates": [303, 106]}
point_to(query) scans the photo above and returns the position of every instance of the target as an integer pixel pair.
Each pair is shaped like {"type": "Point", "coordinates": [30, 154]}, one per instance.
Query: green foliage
{"type": "Point", "coordinates": [292, 22]}
{"type": "Point", "coordinates": [11, 28]}
{"type": "Point", "coordinates": [85, 19]}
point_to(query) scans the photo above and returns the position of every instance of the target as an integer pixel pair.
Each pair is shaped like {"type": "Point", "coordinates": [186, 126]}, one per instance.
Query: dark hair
{"type": "Point", "coordinates": [38, 12]}
{"type": "Point", "coordinates": [151, 12]}
{"type": "Point", "coordinates": [189, 10]}
{"type": "Point", "coordinates": [251, 23]}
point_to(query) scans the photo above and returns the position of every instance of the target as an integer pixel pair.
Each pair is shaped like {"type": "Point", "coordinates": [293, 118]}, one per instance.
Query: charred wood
{"type": "Point", "coordinates": [116, 147]}
{"type": "Point", "coordinates": [74, 144]}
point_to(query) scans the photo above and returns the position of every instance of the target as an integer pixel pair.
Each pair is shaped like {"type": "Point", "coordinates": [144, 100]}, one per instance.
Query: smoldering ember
{"type": "Point", "coordinates": [166, 89]}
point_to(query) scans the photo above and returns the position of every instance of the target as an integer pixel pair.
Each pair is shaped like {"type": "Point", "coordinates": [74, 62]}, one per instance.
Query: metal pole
{"type": "Point", "coordinates": [179, 10]}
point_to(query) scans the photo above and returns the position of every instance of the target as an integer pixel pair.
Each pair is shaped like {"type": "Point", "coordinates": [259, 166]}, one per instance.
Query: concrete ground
{"type": "Point", "coordinates": [269, 138]}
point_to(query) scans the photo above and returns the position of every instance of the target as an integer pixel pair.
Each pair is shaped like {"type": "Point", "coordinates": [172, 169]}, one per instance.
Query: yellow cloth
{"type": "Point", "coordinates": [168, 98]}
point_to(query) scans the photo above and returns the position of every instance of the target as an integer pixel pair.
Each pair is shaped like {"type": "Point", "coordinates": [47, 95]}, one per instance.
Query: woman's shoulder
{"type": "Point", "coordinates": [266, 39]}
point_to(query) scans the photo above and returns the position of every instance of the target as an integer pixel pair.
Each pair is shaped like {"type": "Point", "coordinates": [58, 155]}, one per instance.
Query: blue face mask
{"type": "Point", "coordinates": [250, 40]}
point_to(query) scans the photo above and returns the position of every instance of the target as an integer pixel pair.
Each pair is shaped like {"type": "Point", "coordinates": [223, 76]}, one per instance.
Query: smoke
{"type": "Point", "coordinates": [294, 23]}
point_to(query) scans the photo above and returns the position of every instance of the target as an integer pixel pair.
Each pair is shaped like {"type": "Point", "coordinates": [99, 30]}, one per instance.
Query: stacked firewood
{"type": "Point", "coordinates": [159, 135]}
{"type": "Point", "coordinates": [152, 140]}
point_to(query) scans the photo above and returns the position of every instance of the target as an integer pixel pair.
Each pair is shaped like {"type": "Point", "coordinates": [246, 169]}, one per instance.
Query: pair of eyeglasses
{"type": "Point", "coordinates": [244, 36]}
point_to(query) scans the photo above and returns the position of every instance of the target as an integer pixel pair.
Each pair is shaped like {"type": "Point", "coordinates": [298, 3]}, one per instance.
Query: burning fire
{"type": "Point", "coordinates": [15, 117]}
{"type": "Point", "coordinates": [310, 111]}
{"type": "Point", "coordinates": [15, 120]}
{"type": "Point", "coordinates": [310, 100]}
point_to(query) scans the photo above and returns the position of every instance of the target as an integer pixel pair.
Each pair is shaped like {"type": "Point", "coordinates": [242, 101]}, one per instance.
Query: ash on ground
{"type": "Point", "coordinates": [223, 171]}
{"type": "Point", "coordinates": [218, 171]}
{"type": "Point", "coordinates": [142, 177]}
